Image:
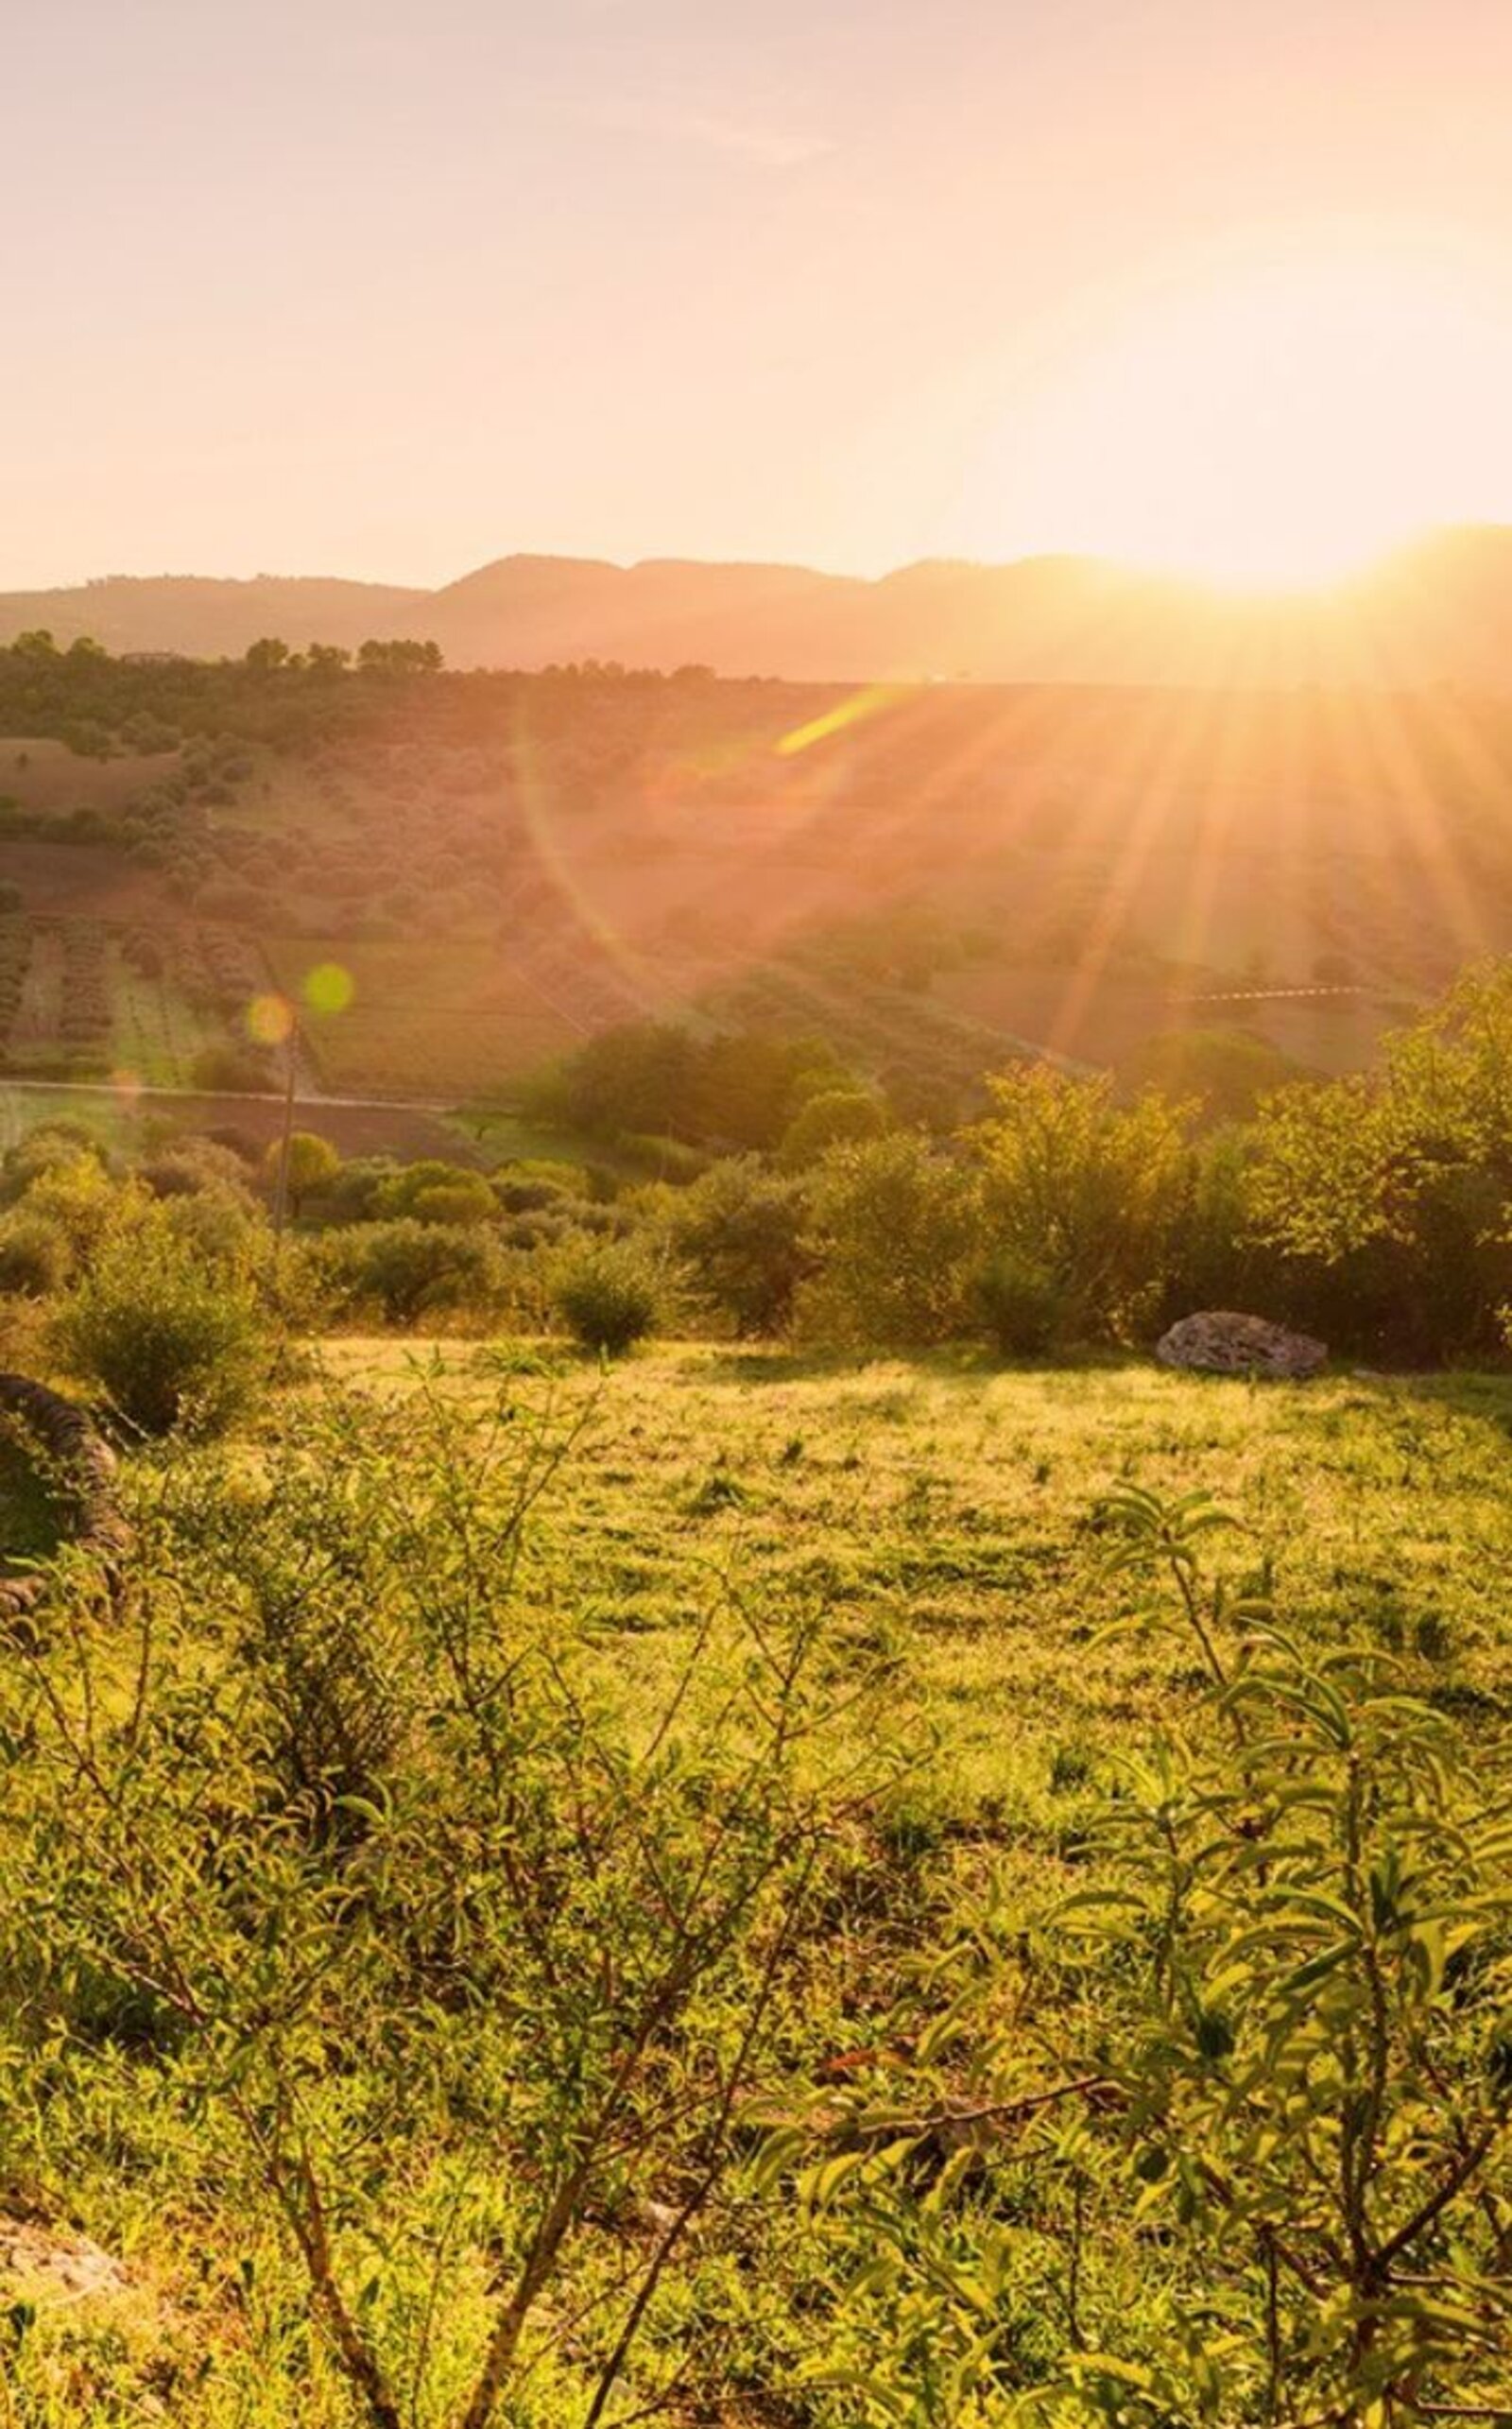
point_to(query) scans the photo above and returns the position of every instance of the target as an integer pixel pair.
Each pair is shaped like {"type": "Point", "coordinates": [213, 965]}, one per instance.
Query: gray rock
{"type": "Point", "coordinates": [1220, 1342]}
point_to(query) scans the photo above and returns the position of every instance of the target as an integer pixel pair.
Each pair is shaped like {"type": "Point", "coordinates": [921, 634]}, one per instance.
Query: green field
{"type": "Point", "coordinates": [952, 1512]}
{"type": "Point", "coordinates": [937, 1527]}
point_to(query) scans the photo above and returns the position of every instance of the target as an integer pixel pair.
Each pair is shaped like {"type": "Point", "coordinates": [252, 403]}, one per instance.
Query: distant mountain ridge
{"type": "Point", "coordinates": [1438, 612]}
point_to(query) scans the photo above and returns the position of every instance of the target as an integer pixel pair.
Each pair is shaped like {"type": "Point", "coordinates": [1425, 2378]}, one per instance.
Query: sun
{"type": "Point", "coordinates": [1265, 424]}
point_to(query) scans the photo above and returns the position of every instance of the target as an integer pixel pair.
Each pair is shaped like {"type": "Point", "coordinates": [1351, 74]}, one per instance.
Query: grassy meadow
{"type": "Point", "coordinates": [949, 1515]}
{"type": "Point", "coordinates": [932, 1530]}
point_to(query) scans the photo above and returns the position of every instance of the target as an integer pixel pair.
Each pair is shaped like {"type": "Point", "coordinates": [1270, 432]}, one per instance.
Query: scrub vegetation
{"type": "Point", "coordinates": [748, 1888]}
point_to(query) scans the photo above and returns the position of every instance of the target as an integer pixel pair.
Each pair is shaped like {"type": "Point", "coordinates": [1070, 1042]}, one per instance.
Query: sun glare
{"type": "Point", "coordinates": [1266, 426]}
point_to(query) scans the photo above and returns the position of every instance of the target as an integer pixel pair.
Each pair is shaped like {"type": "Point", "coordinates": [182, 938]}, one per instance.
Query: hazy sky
{"type": "Point", "coordinates": [390, 289]}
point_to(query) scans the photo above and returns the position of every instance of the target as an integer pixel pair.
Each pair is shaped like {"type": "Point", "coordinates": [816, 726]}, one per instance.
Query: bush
{"type": "Point", "coordinates": [79, 1199]}
{"type": "Point", "coordinates": [1387, 1191]}
{"type": "Point", "coordinates": [355, 1195]}
{"type": "Point", "coordinates": [1089, 1190]}
{"type": "Point", "coordinates": [188, 1167]}
{"type": "Point", "coordinates": [169, 1340]}
{"type": "Point", "coordinates": [400, 1193]}
{"type": "Point", "coordinates": [1284, 2066]}
{"type": "Point", "coordinates": [609, 1297]}
{"type": "Point", "coordinates": [230, 1071]}
{"type": "Point", "coordinates": [1022, 1308]}
{"type": "Point", "coordinates": [662, 1158]}
{"type": "Point", "coordinates": [466, 1200]}
{"type": "Point", "coordinates": [894, 1228]}
{"type": "Point", "coordinates": [34, 1257]}
{"type": "Point", "coordinates": [740, 1231]}
{"type": "Point", "coordinates": [50, 1145]}
{"type": "Point", "coordinates": [403, 1270]}
{"type": "Point", "coordinates": [534, 1185]}
{"type": "Point", "coordinates": [836, 1117]}
{"type": "Point", "coordinates": [222, 1229]}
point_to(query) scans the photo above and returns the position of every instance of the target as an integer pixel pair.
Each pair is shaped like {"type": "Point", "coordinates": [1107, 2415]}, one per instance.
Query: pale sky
{"type": "Point", "coordinates": [369, 288]}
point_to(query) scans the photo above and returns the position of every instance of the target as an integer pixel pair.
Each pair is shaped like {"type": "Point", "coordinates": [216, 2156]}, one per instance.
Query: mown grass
{"type": "Point", "coordinates": [944, 1520]}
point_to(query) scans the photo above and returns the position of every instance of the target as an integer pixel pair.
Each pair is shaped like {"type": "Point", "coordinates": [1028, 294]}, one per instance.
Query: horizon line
{"type": "Point", "coordinates": [1130, 568]}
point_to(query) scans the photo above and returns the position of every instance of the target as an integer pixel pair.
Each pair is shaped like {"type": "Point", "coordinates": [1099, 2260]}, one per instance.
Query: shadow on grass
{"type": "Point", "coordinates": [1484, 1394]}
{"type": "Point", "coordinates": [956, 1362]}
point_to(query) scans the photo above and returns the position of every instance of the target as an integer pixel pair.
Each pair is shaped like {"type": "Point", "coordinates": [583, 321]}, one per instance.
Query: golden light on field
{"type": "Point", "coordinates": [1272, 424]}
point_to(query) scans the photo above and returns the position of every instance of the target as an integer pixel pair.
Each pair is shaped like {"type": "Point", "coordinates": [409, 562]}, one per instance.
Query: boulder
{"type": "Point", "coordinates": [1219, 1342]}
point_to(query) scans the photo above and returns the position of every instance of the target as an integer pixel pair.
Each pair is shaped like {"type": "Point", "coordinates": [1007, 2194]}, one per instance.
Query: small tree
{"type": "Point", "coordinates": [740, 1232]}
{"type": "Point", "coordinates": [893, 1229]}
{"type": "Point", "coordinates": [1086, 1190]}
{"type": "Point", "coordinates": [1390, 1192]}
{"type": "Point", "coordinates": [404, 1271]}
{"type": "Point", "coordinates": [313, 1165]}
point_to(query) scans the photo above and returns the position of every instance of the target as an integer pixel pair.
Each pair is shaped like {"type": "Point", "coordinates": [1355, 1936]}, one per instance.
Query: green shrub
{"type": "Point", "coordinates": [740, 1232]}
{"type": "Point", "coordinates": [355, 1195]}
{"type": "Point", "coordinates": [894, 1228]}
{"type": "Point", "coordinates": [168, 1339]}
{"type": "Point", "coordinates": [1089, 1189]}
{"type": "Point", "coordinates": [660, 1158]}
{"type": "Point", "coordinates": [80, 1199]}
{"type": "Point", "coordinates": [186, 1166]}
{"type": "Point", "coordinates": [403, 1271]}
{"type": "Point", "coordinates": [533, 1185]}
{"type": "Point", "coordinates": [1022, 1308]}
{"type": "Point", "coordinates": [222, 1229]}
{"type": "Point", "coordinates": [466, 1200]}
{"type": "Point", "coordinates": [609, 1297]}
{"type": "Point", "coordinates": [34, 1257]}
{"type": "Point", "coordinates": [231, 1070]}
{"type": "Point", "coordinates": [51, 1145]}
{"type": "Point", "coordinates": [306, 1169]}
{"type": "Point", "coordinates": [344, 1863]}
{"type": "Point", "coordinates": [835, 1117]}
{"type": "Point", "coordinates": [1386, 1192]}
{"type": "Point", "coordinates": [1283, 2067]}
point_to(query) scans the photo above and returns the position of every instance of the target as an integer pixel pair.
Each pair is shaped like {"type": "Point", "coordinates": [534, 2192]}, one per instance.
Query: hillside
{"type": "Point", "coordinates": [937, 878]}
{"type": "Point", "coordinates": [1440, 612]}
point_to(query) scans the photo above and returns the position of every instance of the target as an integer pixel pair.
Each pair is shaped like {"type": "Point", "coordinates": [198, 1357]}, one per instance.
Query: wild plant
{"type": "Point", "coordinates": [349, 1840]}
{"type": "Point", "coordinates": [1233, 2118]}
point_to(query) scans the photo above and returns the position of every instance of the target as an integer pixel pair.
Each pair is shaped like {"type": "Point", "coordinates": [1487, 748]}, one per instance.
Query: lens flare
{"type": "Point", "coordinates": [329, 987]}
{"type": "Point", "coordinates": [854, 711]}
{"type": "Point", "coordinates": [269, 1020]}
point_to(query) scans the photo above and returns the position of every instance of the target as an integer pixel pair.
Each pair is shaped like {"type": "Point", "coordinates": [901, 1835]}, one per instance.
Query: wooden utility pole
{"type": "Point", "coordinates": [281, 1194]}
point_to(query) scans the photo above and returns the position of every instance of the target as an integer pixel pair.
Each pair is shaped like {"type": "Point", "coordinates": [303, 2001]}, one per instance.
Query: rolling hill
{"type": "Point", "coordinates": [1438, 612]}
